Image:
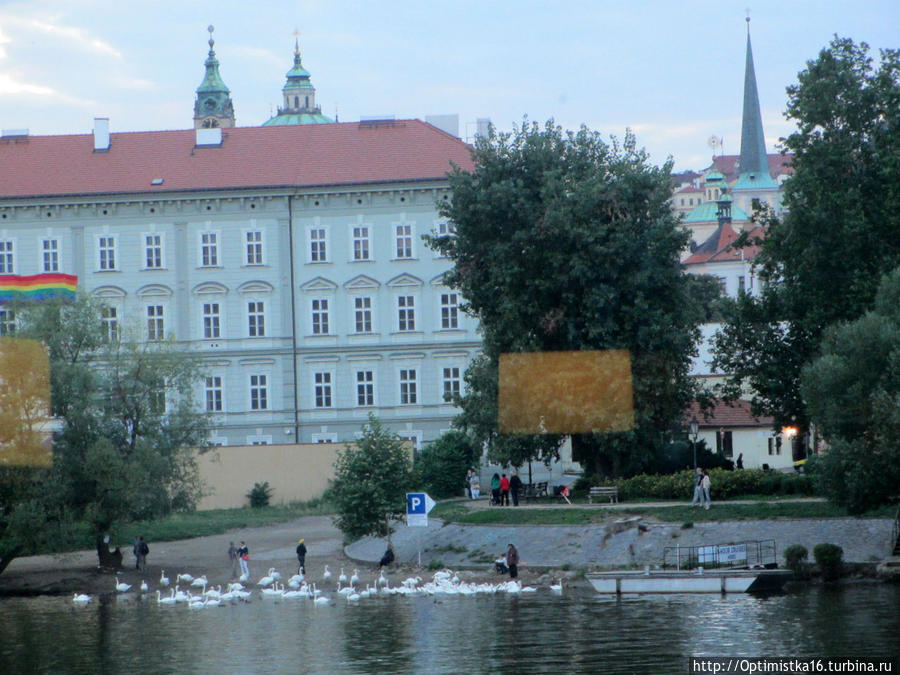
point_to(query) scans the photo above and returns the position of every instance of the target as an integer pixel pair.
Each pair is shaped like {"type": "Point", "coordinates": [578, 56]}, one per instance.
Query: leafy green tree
{"type": "Point", "coordinates": [821, 262]}
{"type": "Point", "coordinates": [564, 242]}
{"type": "Point", "coordinates": [441, 467]}
{"type": "Point", "coordinates": [853, 394]}
{"type": "Point", "coordinates": [372, 477]}
{"type": "Point", "coordinates": [129, 427]}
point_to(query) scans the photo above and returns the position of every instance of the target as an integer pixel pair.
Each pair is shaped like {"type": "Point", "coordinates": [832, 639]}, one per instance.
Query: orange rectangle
{"type": "Point", "coordinates": [565, 392]}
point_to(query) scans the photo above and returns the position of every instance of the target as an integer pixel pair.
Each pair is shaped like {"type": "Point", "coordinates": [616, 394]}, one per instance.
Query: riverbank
{"type": "Point", "coordinates": [618, 541]}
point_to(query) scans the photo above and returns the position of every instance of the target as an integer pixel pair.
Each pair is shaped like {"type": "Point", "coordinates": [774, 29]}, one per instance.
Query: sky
{"type": "Point", "coordinates": [672, 72]}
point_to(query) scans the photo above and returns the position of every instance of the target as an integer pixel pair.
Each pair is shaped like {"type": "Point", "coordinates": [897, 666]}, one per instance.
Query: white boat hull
{"type": "Point", "coordinates": [712, 581]}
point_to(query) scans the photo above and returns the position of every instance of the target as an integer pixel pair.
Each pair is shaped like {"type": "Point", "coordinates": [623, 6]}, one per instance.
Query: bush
{"type": "Point", "coordinates": [830, 559]}
{"type": "Point", "coordinates": [260, 495]}
{"type": "Point", "coordinates": [441, 466]}
{"type": "Point", "coordinates": [795, 558]}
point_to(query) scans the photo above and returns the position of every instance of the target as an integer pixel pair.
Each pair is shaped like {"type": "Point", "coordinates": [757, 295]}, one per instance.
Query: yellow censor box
{"type": "Point", "coordinates": [566, 392]}
{"type": "Point", "coordinates": [25, 434]}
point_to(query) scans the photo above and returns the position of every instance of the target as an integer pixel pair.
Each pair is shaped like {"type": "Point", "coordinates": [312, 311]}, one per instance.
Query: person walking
{"type": "Point", "coordinates": [495, 489]}
{"type": "Point", "coordinates": [512, 561]}
{"type": "Point", "coordinates": [244, 555]}
{"type": "Point", "coordinates": [515, 484]}
{"type": "Point", "coordinates": [233, 557]}
{"type": "Point", "coordinates": [140, 553]}
{"type": "Point", "coordinates": [705, 485]}
{"type": "Point", "coordinates": [475, 484]}
{"type": "Point", "coordinates": [504, 490]}
{"type": "Point", "coordinates": [698, 490]}
{"type": "Point", "coordinates": [301, 557]}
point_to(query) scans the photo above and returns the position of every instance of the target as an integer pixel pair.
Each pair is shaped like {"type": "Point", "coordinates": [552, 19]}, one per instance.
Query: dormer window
{"type": "Point", "coordinates": [296, 101]}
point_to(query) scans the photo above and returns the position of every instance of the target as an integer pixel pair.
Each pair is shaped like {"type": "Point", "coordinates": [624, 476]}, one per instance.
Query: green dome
{"type": "Point", "coordinates": [297, 118]}
{"type": "Point", "coordinates": [707, 212]}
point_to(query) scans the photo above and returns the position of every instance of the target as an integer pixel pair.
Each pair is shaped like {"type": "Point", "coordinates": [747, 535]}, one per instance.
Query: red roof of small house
{"type": "Point", "coordinates": [249, 157]}
{"type": "Point", "coordinates": [730, 416]}
{"type": "Point", "coordinates": [718, 247]}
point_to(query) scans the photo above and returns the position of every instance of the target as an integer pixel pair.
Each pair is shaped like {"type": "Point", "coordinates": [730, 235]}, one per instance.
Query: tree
{"type": "Point", "coordinates": [371, 479]}
{"type": "Point", "coordinates": [129, 427]}
{"type": "Point", "coordinates": [441, 466]}
{"type": "Point", "coordinates": [821, 262]}
{"type": "Point", "coordinates": [853, 393]}
{"type": "Point", "coordinates": [564, 242]}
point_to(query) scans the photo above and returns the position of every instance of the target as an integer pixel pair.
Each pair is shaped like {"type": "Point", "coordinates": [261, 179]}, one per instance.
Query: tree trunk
{"type": "Point", "coordinates": [108, 559]}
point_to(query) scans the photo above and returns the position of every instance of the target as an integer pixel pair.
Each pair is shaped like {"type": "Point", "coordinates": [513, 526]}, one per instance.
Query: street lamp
{"type": "Point", "coordinates": [695, 429]}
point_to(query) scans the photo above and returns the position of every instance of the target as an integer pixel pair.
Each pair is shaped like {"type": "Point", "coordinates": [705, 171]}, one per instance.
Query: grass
{"type": "Point", "coordinates": [563, 515]}
{"type": "Point", "coordinates": [192, 524]}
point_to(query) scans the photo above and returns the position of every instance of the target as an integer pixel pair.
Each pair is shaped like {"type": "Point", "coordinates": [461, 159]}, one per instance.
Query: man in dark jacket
{"type": "Point", "coordinates": [512, 561]}
{"type": "Point", "coordinates": [515, 484]}
{"type": "Point", "coordinates": [387, 558]}
{"type": "Point", "coordinates": [301, 557]}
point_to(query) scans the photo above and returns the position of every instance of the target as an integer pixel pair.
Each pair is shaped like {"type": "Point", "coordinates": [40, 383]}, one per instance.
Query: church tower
{"type": "Point", "coordinates": [298, 98]}
{"type": "Point", "coordinates": [754, 182]}
{"type": "Point", "coordinates": [213, 107]}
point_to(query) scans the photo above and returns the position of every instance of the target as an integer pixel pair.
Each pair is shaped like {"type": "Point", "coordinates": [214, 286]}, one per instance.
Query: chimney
{"type": "Point", "coordinates": [209, 137]}
{"type": "Point", "coordinates": [101, 134]}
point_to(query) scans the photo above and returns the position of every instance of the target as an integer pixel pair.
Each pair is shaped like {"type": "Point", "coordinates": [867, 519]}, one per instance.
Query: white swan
{"type": "Point", "coordinates": [144, 586]}
{"type": "Point", "coordinates": [83, 597]}
{"type": "Point", "coordinates": [168, 600]}
{"type": "Point", "coordinates": [326, 575]}
{"type": "Point", "coordinates": [266, 580]}
{"type": "Point", "coordinates": [163, 579]}
{"type": "Point", "coordinates": [557, 588]}
{"type": "Point", "coordinates": [343, 577]}
{"type": "Point", "coordinates": [200, 582]}
{"type": "Point", "coordinates": [184, 577]}
{"type": "Point", "coordinates": [274, 573]}
{"type": "Point", "coordinates": [122, 587]}
{"type": "Point", "coordinates": [244, 578]}
{"type": "Point", "coordinates": [354, 580]}
{"type": "Point", "coordinates": [322, 600]}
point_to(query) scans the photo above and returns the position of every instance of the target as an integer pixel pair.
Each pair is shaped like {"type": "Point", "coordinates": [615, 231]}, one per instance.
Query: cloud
{"type": "Point", "coordinates": [77, 36]}
{"type": "Point", "coordinates": [10, 87]}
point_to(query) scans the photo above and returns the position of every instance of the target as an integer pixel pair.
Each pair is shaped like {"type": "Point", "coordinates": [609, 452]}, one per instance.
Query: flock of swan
{"type": "Point", "coordinates": [270, 586]}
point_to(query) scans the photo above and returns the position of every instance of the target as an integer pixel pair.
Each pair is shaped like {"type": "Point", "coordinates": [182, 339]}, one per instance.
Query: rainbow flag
{"type": "Point", "coordinates": [15, 287]}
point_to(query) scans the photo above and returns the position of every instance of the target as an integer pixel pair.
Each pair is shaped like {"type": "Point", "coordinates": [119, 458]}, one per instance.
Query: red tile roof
{"type": "Point", "coordinates": [726, 164]}
{"type": "Point", "coordinates": [249, 157]}
{"type": "Point", "coordinates": [729, 416]}
{"type": "Point", "coordinates": [718, 247]}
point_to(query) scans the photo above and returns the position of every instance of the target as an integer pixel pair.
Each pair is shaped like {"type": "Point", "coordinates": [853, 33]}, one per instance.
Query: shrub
{"type": "Point", "coordinates": [260, 495]}
{"type": "Point", "coordinates": [441, 466]}
{"type": "Point", "coordinates": [795, 558]}
{"type": "Point", "coordinates": [830, 559]}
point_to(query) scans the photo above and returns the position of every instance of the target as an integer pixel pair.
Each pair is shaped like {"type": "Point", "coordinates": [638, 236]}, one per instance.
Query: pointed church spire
{"type": "Point", "coordinates": [213, 107]}
{"type": "Point", "coordinates": [754, 162]}
{"type": "Point", "coordinates": [298, 96]}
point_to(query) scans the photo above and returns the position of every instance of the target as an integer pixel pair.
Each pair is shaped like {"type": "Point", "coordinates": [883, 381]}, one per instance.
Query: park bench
{"type": "Point", "coordinates": [606, 492]}
{"type": "Point", "coordinates": [532, 491]}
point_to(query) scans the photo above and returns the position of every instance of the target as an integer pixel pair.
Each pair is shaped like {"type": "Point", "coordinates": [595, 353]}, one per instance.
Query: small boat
{"type": "Point", "coordinates": [690, 581]}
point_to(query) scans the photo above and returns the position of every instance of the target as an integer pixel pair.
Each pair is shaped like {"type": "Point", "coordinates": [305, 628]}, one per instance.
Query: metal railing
{"type": "Point", "coordinates": [736, 554]}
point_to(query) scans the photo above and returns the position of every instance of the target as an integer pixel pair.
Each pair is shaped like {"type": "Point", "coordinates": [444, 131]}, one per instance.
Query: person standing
{"type": "Point", "coordinates": [698, 490]}
{"type": "Point", "coordinates": [512, 561]}
{"type": "Point", "coordinates": [244, 555]}
{"type": "Point", "coordinates": [233, 557]}
{"type": "Point", "coordinates": [136, 549]}
{"type": "Point", "coordinates": [740, 461]}
{"type": "Point", "coordinates": [504, 490]}
{"type": "Point", "coordinates": [705, 485]}
{"type": "Point", "coordinates": [515, 484]}
{"type": "Point", "coordinates": [301, 557]}
{"type": "Point", "coordinates": [495, 488]}
{"type": "Point", "coordinates": [469, 483]}
{"type": "Point", "coordinates": [476, 485]}
{"type": "Point", "coordinates": [140, 553]}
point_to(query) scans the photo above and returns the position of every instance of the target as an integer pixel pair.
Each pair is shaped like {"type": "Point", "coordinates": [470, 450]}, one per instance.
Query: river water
{"type": "Point", "coordinates": [541, 632]}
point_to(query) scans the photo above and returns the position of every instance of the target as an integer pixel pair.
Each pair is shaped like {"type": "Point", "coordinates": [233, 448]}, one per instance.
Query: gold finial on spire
{"type": "Point", "coordinates": [296, 42]}
{"type": "Point", "coordinates": [211, 28]}
{"type": "Point", "coordinates": [748, 20]}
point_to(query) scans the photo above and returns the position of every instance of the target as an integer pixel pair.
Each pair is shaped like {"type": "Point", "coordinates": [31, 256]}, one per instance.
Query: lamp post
{"type": "Point", "coordinates": [695, 429]}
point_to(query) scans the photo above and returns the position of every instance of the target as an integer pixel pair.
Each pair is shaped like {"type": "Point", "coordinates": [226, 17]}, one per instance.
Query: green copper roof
{"type": "Point", "coordinates": [212, 81]}
{"type": "Point", "coordinates": [298, 118]}
{"type": "Point", "coordinates": [707, 212]}
{"type": "Point", "coordinates": [754, 162]}
{"type": "Point", "coordinates": [714, 175]}
{"type": "Point", "coordinates": [298, 70]}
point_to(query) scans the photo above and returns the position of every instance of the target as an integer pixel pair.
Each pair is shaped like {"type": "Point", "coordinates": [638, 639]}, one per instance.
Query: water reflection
{"type": "Point", "coordinates": [541, 632]}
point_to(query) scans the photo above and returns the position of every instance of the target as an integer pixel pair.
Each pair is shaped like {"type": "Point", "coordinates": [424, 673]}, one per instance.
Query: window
{"type": "Point", "coordinates": [406, 313]}
{"type": "Point", "coordinates": [214, 394]}
{"type": "Point", "coordinates": [775, 445]}
{"type": "Point", "coordinates": [446, 229]}
{"type": "Point", "coordinates": [322, 390]}
{"type": "Point", "coordinates": [259, 393]}
{"type": "Point", "coordinates": [256, 319]}
{"type": "Point", "coordinates": [153, 251]}
{"type": "Point", "coordinates": [155, 322]}
{"type": "Point", "coordinates": [109, 319]}
{"type": "Point", "coordinates": [363, 314]}
{"type": "Point", "coordinates": [106, 247]}
{"type": "Point", "coordinates": [317, 250]}
{"type": "Point", "coordinates": [158, 400]}
{"type": "Point", "coordinates": [742, 284]}
{"type": "Point", "coordinates": [724, 443]}
{"type": "Point", "coordinates": [365, 388]}
{"type": "Point", "coordinates": [361, 242]}
{"type": "Point", "coordinates": [408, 394]}
{"type": "Point", "coordinates": [6, 257]}
{"type": "Point", "coordinates": [211, 320]}
{"type": "Point", "coordinates": [50, 255]}
{"type": "Point", "coordinates": [451, 383]}
{"type": "Point", "coordinates": [209, 249]}
{"type": "Point", "coordinates": [449, 310]}
{"type": "Point", "coordinates": [254, 247]}
{"type": "Point", "coordinates": [7, 322]}
{"type": "Point", "coordinates": [320, 317]}
{"type": "Point", "coordinates": [404, 241]}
